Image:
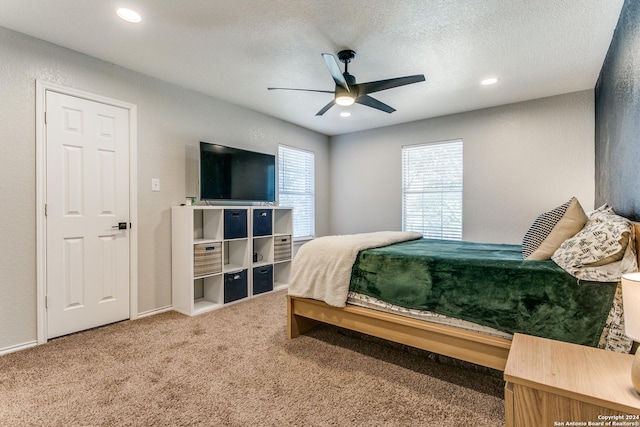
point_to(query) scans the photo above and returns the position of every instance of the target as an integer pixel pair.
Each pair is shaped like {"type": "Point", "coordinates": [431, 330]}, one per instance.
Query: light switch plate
{"type": "Point", "coordinates": [155, 184]}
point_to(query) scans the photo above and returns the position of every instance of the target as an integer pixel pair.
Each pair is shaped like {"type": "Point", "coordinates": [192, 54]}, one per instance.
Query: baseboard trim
{"type": "Point", "coordinates": [29, 344]}
{"type": "Point", "coordinates": [18, 347]}
{"type": "Point", "coordinates": [155, 311]}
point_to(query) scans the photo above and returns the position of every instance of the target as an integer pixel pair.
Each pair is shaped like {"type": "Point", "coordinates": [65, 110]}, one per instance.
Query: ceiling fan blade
{"type": "Point", "coordinates": [374, 103]}
{"type": "Point", "coordinates": [370, 87]}
{"type": "Point", "coordinates": [304, 90]}
{"type": "Point", "coordinates": [326, 108]}
{"type": "Point", "coordinates": [334, 69]}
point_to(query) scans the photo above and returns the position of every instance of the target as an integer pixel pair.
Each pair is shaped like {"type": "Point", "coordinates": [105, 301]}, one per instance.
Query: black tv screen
{"type": "Point", "coordinates": [228, 173]}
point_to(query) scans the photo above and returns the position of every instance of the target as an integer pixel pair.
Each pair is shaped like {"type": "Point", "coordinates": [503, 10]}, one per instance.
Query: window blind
{"type": "Point", "coordinates": [296, 188]}
{"type": "Point", "coordinates": [432, 189]}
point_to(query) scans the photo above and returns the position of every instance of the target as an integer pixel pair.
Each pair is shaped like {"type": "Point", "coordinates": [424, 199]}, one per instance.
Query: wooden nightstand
{"type": "Point", "coordinates": [553, 383]}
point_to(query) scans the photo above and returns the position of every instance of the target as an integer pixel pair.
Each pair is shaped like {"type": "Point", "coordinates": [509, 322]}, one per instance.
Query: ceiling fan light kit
{"type": "Point", "coordinates": [345, 100]}
{"type": "Point", "coordinates": [348, 92]}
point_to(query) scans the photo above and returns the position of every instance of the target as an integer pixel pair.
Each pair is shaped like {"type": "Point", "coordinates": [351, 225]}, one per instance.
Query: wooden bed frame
{"type": "Point", "coordinates": [475, 347]}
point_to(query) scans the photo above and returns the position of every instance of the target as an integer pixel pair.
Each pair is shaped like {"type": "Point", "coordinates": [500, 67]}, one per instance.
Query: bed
{"type": "Point", "coordinates": [478, 347]}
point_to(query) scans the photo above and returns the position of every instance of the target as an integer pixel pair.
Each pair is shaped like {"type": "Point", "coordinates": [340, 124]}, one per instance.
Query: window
{"type": "Point", "coordinates": [432, 189]}
{"type": "Point", "coordinates": [296, 187]}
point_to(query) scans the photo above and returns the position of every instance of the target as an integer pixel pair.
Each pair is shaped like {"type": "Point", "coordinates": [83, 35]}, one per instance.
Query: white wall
{"type": "Point", "coordinates": [519, 160]}
{"type": "Point", "coordinates": [171, 122]}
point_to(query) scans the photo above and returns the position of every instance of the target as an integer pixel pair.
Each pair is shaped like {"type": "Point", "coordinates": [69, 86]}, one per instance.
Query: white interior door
{"type": "Point", "coordinates": [87, 198]}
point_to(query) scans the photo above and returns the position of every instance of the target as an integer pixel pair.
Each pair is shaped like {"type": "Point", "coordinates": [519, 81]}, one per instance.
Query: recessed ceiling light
{"type": "Point", "coordinates": [345, 114]}
{"type": "Point", "coordinates": [487, 82]}
{"type": "Point", "coordinates": [129, 15]}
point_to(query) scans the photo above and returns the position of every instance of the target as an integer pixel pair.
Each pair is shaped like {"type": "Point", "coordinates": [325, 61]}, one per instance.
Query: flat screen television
{"type": "Point", "coordinates": [232, 174]}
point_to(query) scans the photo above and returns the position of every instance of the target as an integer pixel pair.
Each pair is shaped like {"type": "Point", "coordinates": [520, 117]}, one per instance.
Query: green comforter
{"type": "Point", "coordinates": [488, 284]}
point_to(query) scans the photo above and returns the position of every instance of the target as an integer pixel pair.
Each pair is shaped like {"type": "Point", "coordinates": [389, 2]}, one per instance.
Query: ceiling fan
{"type": "Point", "coordinates": [347, 91]}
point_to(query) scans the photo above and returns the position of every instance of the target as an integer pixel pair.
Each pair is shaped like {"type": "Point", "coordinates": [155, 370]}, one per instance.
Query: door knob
{"type": "Point", "coordinates": [120, 226]}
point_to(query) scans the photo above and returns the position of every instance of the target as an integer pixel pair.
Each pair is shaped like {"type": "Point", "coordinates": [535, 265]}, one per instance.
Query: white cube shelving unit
{"type": "Point", "coordinates": [229, 256]}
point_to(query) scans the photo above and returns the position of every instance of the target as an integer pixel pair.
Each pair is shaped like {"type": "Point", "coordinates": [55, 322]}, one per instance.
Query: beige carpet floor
{"type": "Point", "coordinates": [235, 367]}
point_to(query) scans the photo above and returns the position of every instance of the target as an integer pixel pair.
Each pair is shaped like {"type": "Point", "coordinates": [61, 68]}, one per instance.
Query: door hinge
{"type": "Point", "coordinates": [45, 117]}
{"type": "Point", "coordinates": [46, 302]}
{"type": "Point", "coordinates": [45, 209]}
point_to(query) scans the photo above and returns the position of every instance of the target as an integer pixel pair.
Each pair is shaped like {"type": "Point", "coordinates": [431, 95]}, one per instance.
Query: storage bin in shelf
{"type": "Point", "coordinates": [207, 258]}
{"type": "Point", "coordinates": [262, 279]}
{"type": "Point", "coordinates": [282, 248]}
{"type": "Point", "coordinates": [235, 223]}
{"type": "Point", "coordinates": [262, 222]}
{"type": "Point", "coordinates": [236, 286]}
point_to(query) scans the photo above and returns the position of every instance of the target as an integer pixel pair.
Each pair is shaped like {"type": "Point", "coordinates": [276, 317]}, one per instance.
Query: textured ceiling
{"type": "Point", "coordinates": [234, 50]}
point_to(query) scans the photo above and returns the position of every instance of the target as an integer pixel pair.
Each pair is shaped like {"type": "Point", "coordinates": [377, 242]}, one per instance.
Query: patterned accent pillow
{"type": "Point", "coordinates": [550, 229]}
{"type": "Point", "coordinates": [602, 210]}
{"type": "Point", "coordinates": [602, 251]}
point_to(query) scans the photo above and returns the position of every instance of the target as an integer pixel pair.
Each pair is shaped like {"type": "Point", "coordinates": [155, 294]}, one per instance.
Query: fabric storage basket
{"type": "Point", "coordinates": [235, 223]}
{"type": "Point", "coordinates": [207, 259]}
{"type": "Point", "coordinates": [282, 248]}
{"type": "Point", "coordinates": [235, 286]}
{"type": "Point", "coordinates": [262, 279]}
{"type": "Point", "coordinates": [262, 222]}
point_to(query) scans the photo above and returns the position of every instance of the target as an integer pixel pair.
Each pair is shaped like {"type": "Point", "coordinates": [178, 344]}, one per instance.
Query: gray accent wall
{"type": "Point", "coordinates": [617, 95]}
{"type": "Point", "coordinates": [171, 122]}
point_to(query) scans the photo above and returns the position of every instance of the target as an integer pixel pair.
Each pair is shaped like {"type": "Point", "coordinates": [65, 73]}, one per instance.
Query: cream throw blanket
{"type": "Point", "coordinates": [322, 267]}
